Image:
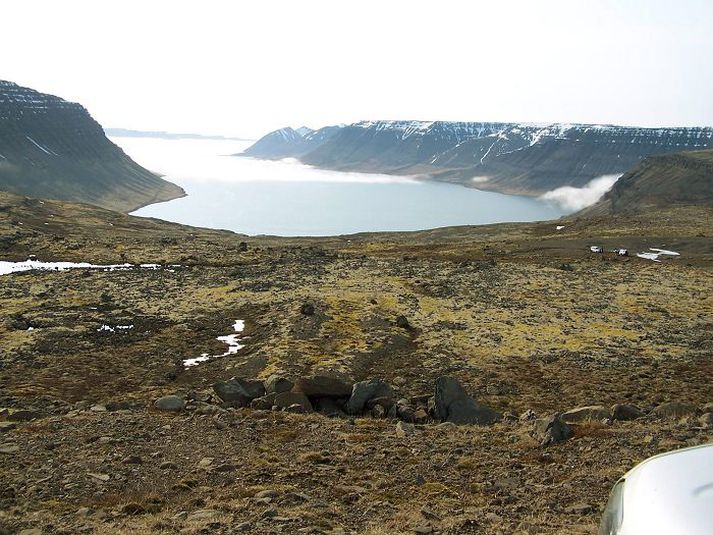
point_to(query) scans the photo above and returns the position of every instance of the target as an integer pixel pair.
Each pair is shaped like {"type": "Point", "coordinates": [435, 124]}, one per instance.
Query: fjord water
{"type": "Point", "coordinates": [286, 198]}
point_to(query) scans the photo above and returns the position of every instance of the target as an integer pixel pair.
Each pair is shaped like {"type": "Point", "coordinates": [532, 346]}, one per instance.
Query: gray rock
{"type": "Point", "coordinates": [453, 404]}
{"type": "Point", "coordinates": [623, 412]}
{"type": "Point", "coordinates": [323, 386]}
{"type": "Point", "coordinates": [552, 430]}
{"type": "Point", "coordinates": [276, 384]}
{"type": "Point", "coordinates": [239, 392]}
{"type": "Point", "coordinates": [674, 409]}
{"type": "Point", "coordinates": [286, 400]}
{"type": "Point", "coordinates": [467, 411]}
{"type": "Point", "coordinates": [706, 420]}
{"type": "Point", "coordinates": [403, 429]}
{"type": "Point", "coordinates": [402, 322]}
{"type": "Point", "coordinates": [590, 413]}
{"type": "Point", "coordinates": [170, 403]}
{"type": "Point", "coordinates": [364, 391]}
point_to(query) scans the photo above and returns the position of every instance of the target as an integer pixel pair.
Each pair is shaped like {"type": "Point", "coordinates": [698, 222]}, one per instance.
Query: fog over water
{"type": "Point", "coordinates": [287, 198]}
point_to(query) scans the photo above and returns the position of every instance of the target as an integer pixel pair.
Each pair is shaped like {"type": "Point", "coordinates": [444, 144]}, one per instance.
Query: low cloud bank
{"type": "Point", "coordinates": [571, 198]}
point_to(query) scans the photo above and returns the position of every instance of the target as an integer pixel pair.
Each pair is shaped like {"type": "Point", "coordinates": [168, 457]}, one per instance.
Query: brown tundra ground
{"type": "Point", "coordinates": [521, 314]}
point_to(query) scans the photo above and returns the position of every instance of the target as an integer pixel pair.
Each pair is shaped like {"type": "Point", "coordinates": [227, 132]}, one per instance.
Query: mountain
{"type": "Point", "coordinates": [527, 159]}
{"type": "Point", "coordinates": [289, 143]}
{"type": "Point", "coordinates": [52, 148]}
{"type": "Point", "coordinates": [658, 182]}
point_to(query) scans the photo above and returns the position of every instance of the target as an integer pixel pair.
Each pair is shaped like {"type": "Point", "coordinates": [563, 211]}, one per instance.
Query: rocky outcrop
{"type": "Point", "coordinates": [239, 392]}
{"type": "Point", "coordinates": [51, 148]}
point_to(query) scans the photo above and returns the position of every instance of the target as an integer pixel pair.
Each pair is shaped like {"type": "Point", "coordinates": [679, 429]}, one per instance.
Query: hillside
{"type": "Point", "coordinates": [52, 148]}
{"type": "Point", "coordinates": [524, 316]}
{"type": "Point", "coordinates": [511, 158]}
{"type": "Point", "coordinates": [659, 182]}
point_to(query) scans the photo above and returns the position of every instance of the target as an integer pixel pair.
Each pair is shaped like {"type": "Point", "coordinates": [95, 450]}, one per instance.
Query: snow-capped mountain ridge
{"type": "Point", "coordinates": [528, 158]}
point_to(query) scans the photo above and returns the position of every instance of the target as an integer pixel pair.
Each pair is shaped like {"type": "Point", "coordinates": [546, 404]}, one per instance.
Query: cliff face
{"type": "Point", "coordinates": [513, 158]}
{"type": "Point", "coordinates": [52, 148]}
{"type": "Point", "coordinates": [659, 182]}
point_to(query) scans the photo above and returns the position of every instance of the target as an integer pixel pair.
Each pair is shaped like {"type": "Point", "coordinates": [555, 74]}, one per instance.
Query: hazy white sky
{"type": "Point", "coordinates": [246, 67]}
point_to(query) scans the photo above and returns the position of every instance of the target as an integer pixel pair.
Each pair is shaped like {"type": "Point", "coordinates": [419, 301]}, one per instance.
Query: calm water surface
{"type": "Point", "coordinates": [286, 198]}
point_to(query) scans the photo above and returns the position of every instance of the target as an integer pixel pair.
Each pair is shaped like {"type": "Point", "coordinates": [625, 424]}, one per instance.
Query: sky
{"type": "Point", "coordinates": [244, 68]}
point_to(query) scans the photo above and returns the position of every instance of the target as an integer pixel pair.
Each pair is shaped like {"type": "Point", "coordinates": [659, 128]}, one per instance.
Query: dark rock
{"type": "Point", "coordinates": [674, 409]}
{"type": "Point", "coordinates": [307, 309]}
{"type": "Point", "coordinates": [277, 384]}
{"type": "Point", "coordinates": [287, 399]}
{"type": "Point", "coordinates": [403, 323]}
{"type": "Point", "coordinates": [329, 406]}
{"type": "Point", "coordinates": [378, 412]}
{"type": "Point", "coordinates": [552, 430]}
{"type": "Point", "coordinates": [239, 392]}
{"type": "Point", "coordinates": [323, 386]}
{"type": "Point", "coordinates": [453, 404]}
{"type": "Point", "coordinates": [706, 420]}
{"type": "Point", "coordinates": [22, 415]}
{"type": "Point", "coordinates": [364, 391]}
{"type": "Point", "coordinates": [622, 411]}
{"type": "Point", "coordinates": [170, 403]}
{"type": "Point", "coordinates": [590, 413]}
{"type": "Point", "coordinates": [132, 459]}
{"type": "Point", "coordinates": [263, 403]}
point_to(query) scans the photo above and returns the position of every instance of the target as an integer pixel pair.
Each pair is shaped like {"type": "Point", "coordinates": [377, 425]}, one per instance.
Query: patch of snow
{"type": "Point", "coordinates": [559, 227]}
{"type": "Point", "coordinates": [232, 340]}
{"type": "Point", "coordinates": [43, 149]}
{"type": "Point", "coordinates": [664, 251]}
{"type": "Point", "coordinates": [572, 198]}
{"type": "Point", "coordinates": [13, 267]}
{"type": "Point", "coordinates": [109, 328]}
{"type": "Point", "coordinates": [479, 179]}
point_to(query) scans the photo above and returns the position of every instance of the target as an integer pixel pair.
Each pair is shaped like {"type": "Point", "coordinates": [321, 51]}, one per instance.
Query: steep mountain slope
{"type": "Point", "coordinates": [661, 181]}
{"type": "Point", "coordinates": [52, 148]}
{"type": "Point", "coordinates": [289, 143]}
{"type": "Point", "coordinates": [513, 158]}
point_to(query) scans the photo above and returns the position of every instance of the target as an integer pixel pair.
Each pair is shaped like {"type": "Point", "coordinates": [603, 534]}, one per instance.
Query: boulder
{"type": "Point", "coordinates": [674, 409]}
{"type": "Point", "coordinates": [403, 323]}
{"type": "Point", "coordinates": [365, 391]}
{"type": "Point", "coordinates": [552, 430]}
{"type": "Point", "coordinates": [706, 420]}
{"type": "Point", "coordinates": [170, 403]}
{"type": "Point", "coordinates": [240, 392]}
{"type": "Point", "coordinates": [323, 386]}
{"type": "Point", "coordinates": [276, 384]}
{"type": "Point", "coordinates": [263, 403]}
{"type": "Point", "coordinates": [623, 412]}
{"type": "Point", "coordinates": [307, 309]}
{"type": "Point", "coordinates": [453, 404]}
{"type": "Point", "coordinates": [467, 411]}
{"type": "Point", "coordinates": [286, 400]}
{"type": "Point", "coordinates": [590, 413]}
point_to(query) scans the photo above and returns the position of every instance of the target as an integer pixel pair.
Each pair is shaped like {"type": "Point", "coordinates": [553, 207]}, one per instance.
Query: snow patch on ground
{"type": "Point", "coordinates": [233, 341]}
{"type": "Point", "coordinates": [479, 179]}
{"type": "Point", "coordinates": [656, 255]}
{"type": "Point", "coordinates": [572, 198]}
{"type": "Point", "coordinates": [13, 267]}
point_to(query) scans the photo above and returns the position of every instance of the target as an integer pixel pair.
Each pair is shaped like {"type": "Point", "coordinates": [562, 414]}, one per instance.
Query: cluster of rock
{"type": "Point", "coordinates": [450, 402]}
{"type": "Point", "coordinates": [333, 396]}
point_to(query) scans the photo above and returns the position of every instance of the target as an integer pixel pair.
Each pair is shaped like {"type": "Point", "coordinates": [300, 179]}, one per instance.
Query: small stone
{"type": "Point", "coordinates": [205, 462]}
{"type": "Point", "coordinates": [7, 426]}
{"type": "Point", "coordinates": [132, 459]}
{"type": "Point", "coordinates": [9, 449]}
{"type": "Point", "coordinates": [98, 408]}
{"type": "Point", "coordinates": [403, 429]}
{"type": "Point", "coordinates": [424, 529]}
{"type": "Point", "coordinates": [170, 403]}
{"type": "Point", "coordinates": [203, 516]}
{"type": "Point", "coordinates": [402, 322]}
{"type": "Point", "coordinates": [267, 493]}
{"type": "Point", "coordinates": [307, 309]}
{"type": "Point", "coordinates": [99, 477]}
{"type": "Point", "coordinates": [31, 531]}
{"type": "Point", "coordinates": [706, 420]}
{"type": "Point", "coordinates": [167, 465]}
